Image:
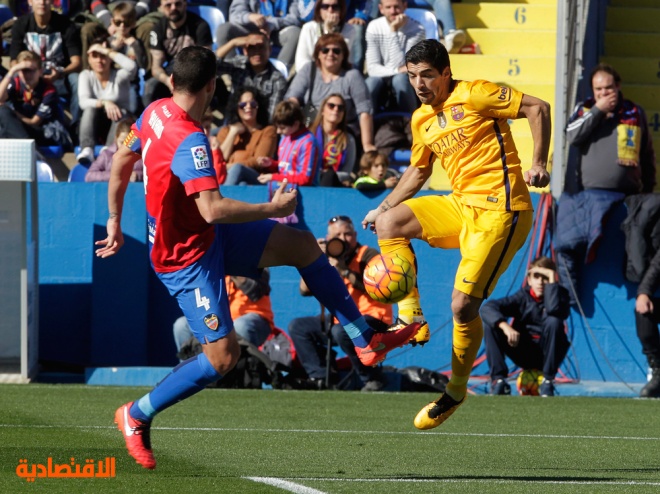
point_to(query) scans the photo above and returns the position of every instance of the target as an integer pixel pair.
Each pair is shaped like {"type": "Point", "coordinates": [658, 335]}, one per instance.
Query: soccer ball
{"type": "Point", "coordinates": [388, 278]}
{"type": "Point", "coordinates": [529, 381]}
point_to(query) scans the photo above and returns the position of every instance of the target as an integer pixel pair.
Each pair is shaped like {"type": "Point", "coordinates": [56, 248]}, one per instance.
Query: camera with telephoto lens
{"type": "Point", "coordinates": [336, 247]}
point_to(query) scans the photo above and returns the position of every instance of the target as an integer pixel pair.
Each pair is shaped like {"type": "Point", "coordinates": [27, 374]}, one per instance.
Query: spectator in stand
{"type": "Point", "coordinates": [123, 40]}
{"type": "Point", "coordinates": [273, 18]}
{"type": "Point", "coordinates": [337, 145]}
{"type": "Point", "coordinates": [452, 38]}
{"type": "Point", "coordinates": [310, 337]}
{"type": "Point", "coordinates": [176, 30]}
{"type": "Point", "coordinates": [331, 73]}
{"type": "Point", "coordinates": [146, 14]}
{"type": "Point", "coordinates": [57, 42]}
{"type": "Point", "coordinates": [29, 105]}
{"type": "Point", "coordinates": [613, 157]}
{"type": "Point", "coordinates": [647, 318]}
{"type": "Point", "coordinates": [359, 13]}
{"type": "Point", "coordinates": [250, 308]}
{"type": "Point", "coordinates": [329, 17]}
{"type": "Point", "coordinates": [297, 154]}
{"type": "Point", "coordinates": [253, 68]}
{"type": "Point", "coordinates": [99, 171]}
{"type": "Point", "coordinates": [104, 94]}
{"type": "Point", "coordinates": [536, 339]}
{"type": "Point", "coordinates": [247, 137]}
{"type": "Point", "coordinates": [388, 39]}
{"type": "Point", "coordinates": [373, 172]}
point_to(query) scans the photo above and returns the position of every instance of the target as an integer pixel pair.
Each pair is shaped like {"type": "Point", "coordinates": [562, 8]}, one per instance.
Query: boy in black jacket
{"type": "Point", "coordinates": [536, 338]}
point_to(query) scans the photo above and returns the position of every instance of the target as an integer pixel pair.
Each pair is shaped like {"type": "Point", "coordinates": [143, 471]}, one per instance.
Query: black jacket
{"type": "Point", "coordinates": [642, 229]}
{"type": "Point", "coordinates": [528, 314]}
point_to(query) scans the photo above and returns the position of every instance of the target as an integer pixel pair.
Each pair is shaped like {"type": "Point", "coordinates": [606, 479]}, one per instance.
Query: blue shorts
{"type": "Point", "coordinates": [200, 288]}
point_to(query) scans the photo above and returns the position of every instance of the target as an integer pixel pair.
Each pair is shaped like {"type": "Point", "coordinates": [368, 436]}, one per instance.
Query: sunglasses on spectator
{"type": "Point", "coordinates": [119, 22]}
{"type": "Point", "coordinates": [339, 106]}
{"type": "Point", "coordinates": [343, 218]}
{"type": "Point", "coordinates": [244, 104]}
{"type": "Point", "coordinates": [325, 50]}
{"type": "Point", "coordinates": [330, 6]}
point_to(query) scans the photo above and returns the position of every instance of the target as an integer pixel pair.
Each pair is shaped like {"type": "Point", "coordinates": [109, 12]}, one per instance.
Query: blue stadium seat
{"type": "Point", "coordinates": [52, 152]}
{"type": "Point", "coordinates": [281, 66]}
{"type": "Point", "coordinates": [77, 173]}
{"type": "Point", "coordinates": [427, 19]}
{"type": "Point", "coordinates": [44, 172]}
{"type": "Point", "coordinates": [97, 150]}
{"type": "Point", "coordinates": [419, 4]}
{"type": "Point", "coordinates": [212, 15]}
{"type": "Point", "coordinates": [5, 13]}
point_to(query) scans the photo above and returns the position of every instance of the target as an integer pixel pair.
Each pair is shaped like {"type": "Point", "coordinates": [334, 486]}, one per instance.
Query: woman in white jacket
{"type": "Point", "coordinates": [104, 96]}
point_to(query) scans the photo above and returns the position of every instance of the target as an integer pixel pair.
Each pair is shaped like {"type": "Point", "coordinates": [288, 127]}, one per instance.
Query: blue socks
{"type": "Point", "coordinates": [328, 287]}
{"type": "Point", "coordinates": [186, 379]}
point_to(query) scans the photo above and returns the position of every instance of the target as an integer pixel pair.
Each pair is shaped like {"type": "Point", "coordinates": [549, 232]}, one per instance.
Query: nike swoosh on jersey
{"type": "Point", "coordinates": [381, 346]}
{"type": "Point", "coordinates": [427, 128]}
{"type": "Point", "coordinates": [128, 430]}
{"type": "Point", "coordinates": [469, 282]}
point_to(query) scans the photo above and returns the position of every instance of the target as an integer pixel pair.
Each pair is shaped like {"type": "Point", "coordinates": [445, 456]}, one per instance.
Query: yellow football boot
{"type": "Point", "coordinates": [436, 412]}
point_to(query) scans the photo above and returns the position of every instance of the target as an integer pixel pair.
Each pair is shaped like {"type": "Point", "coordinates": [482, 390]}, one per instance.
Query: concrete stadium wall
{"type": "Point", "coordinates": [115, 312]}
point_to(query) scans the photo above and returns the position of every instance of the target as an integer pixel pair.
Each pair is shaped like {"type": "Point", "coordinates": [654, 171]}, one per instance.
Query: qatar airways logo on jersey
{"type": "Point", "coordinates": [156, 124]}
{"type": "Point", "coordinates": [200, 157]}
{"type": "Point", "coordinates": [451, 143]}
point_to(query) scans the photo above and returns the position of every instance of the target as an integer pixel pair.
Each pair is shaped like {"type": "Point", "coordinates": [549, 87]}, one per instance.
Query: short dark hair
{"type": "Point", "coordinates": [194, 67]}
{"type": "Point", "coordinates": [124, 126]}
{"type": "Point", "coordinates": [429, 51]}
{"type": "Point", "coordinates": [543, 262]}
{"type": "Point", "coordinates": [607, 68]}
{"type": "Point", "coordinates": [287, 113]}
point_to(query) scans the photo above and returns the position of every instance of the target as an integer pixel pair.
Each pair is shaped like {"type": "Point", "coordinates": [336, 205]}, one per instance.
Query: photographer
{"type": "Point", "coordinates": [309, 334]}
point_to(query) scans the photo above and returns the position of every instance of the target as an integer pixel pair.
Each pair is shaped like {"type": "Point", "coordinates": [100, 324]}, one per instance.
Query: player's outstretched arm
{"type": "Point", "coordinates": [410, 183]}
{"type": "Point", "coordinates": [120, 176]}
{"type": "Point", "coordinates": [537, 113]}
{"type": "Point", "coordinates": [215, 208]}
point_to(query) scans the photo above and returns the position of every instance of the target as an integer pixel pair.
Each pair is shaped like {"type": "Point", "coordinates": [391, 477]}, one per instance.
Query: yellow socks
{"type": "Point", "coordinates": [409, 308]}
{"type": "Point", "coordinates": [467, 340]}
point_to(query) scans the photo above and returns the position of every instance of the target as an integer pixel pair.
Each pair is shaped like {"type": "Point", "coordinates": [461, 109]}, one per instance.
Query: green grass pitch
{"type": "Point", "coordinates": [241, 441]}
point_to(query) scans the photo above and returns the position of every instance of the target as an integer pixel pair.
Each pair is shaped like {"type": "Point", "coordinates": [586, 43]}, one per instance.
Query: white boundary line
{"type": "Point", "coordinates": [285, 485]}
{"type": "Point", "coordinates": [478, 480]}
{"type": "Point", "coordinates": [331, 431]}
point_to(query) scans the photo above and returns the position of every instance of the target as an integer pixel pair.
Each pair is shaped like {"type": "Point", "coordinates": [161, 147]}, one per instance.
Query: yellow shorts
{"type": "Point", "coordinates": [488, 239]}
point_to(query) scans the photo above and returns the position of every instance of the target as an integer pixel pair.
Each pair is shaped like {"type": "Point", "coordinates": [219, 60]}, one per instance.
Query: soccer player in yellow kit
{"type": "Point", "coordinates": [462, 126]}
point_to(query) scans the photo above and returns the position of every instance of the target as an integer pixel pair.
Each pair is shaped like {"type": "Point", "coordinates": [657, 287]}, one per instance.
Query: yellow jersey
{"type": "Point", "coordinates": [471, 139]}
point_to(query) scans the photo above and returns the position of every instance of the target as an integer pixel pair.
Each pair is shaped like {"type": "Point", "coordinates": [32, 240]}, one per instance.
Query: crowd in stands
{"type": "Point", "coordinates": [339, 61]}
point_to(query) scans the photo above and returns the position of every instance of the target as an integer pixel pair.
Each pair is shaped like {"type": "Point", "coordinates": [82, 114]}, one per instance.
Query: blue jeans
{"type": "Point", "coordinates": [444, 14]}
{"type": "Point", "coordinates": [251, 327]}
{"type": "Point", "coordinates": [69, 87]}
{"type": "Point", "coordinates": [238, 174]}
{"type": "Point", "coordinates": [404, 94]}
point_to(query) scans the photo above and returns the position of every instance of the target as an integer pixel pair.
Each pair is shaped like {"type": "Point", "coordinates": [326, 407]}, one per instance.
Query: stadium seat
{"type": "Point", "coordinates": [5, 13]}
{"type": "Point", "coordinates": [419, 4]}
{"type": "Point", "coordinates": [427, 19]}
{"type": "Point", "coordinates": [281, 66]}
{"type": "Point", "coordinates": [77, 173]}
{"type": "Point", "coordinates": [97, 150]}
{"type": "Point", "coordinates": [212, 15]}
{"type": "Point", "coordinates": [52, 152]}
{"type": "Point", "coordinates": [44, 172]}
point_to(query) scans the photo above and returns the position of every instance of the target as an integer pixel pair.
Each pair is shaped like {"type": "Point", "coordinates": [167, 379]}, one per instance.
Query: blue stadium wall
{"type": "Point", "coordinates": [114, 312]}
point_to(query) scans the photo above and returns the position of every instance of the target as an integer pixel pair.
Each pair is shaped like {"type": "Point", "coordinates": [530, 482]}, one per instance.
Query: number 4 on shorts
{"type": "Point", "coordinates": [202, 301]}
